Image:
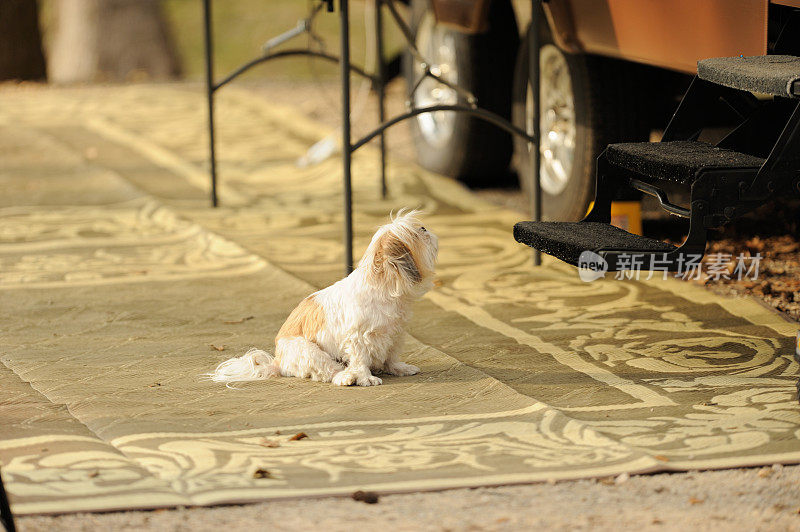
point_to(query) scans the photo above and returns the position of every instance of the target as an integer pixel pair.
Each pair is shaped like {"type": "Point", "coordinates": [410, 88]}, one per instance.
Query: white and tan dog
{"type": "Point", "coordinates": [354, 328]}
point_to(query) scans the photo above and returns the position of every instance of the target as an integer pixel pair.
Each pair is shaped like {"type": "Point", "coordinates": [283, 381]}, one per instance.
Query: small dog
{"type": "Point", "coordinates": [344, 333]}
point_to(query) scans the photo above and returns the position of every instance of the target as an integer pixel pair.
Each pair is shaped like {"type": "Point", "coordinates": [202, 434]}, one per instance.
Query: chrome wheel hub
{"type": "Point", "coordinates": [557, 120]}
{"type": "Point", "coordinates": [437, 46]}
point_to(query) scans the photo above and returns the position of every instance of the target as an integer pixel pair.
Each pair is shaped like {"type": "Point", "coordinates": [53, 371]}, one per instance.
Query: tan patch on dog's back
{"type": "Point", "coordinates": [306, 320]}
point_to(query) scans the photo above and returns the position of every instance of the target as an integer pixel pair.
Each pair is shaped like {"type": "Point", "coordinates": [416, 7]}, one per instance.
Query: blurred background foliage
{"type": "Point", "coordinates": [241, 27]}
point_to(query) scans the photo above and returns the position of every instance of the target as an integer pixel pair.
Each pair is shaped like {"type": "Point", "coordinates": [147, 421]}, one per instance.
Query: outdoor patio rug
{"type": "Point", "coordinates": [120, 287]}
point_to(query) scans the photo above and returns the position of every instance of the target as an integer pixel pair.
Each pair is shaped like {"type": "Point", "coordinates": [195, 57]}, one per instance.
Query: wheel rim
{"type": "Point", "coordinates": [557, 122]}
{"type": "Point", "coordinates": [437, 46]}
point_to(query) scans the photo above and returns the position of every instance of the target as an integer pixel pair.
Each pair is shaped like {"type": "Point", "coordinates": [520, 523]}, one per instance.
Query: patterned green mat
{"type": "Point", "coordinates": [116, 277]}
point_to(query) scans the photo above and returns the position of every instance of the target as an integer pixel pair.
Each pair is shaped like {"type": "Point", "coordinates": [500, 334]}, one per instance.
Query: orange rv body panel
{"type": "Point", "coordinates": [672, 34]}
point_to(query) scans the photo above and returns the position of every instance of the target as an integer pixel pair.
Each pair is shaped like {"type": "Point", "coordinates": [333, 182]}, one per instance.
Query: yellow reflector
{"type": "Point", "coordinates": [626, 215]}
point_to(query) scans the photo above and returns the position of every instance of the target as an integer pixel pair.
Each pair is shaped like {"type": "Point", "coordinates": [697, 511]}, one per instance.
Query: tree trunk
{"type": "Point", "coordinates": [72, 56]}
{"type": "Point", "coordinates": [112, 40]}
{"type": "Point", "coordinates": [21, 54]}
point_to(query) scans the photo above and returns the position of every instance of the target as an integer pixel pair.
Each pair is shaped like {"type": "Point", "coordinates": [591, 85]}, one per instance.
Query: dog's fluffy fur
{"type": "Point", "coordinates": [354, 328]}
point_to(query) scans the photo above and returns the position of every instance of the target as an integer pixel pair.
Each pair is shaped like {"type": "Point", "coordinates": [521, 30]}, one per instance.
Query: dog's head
{"type": "Point", "coordinates": [401, 257]}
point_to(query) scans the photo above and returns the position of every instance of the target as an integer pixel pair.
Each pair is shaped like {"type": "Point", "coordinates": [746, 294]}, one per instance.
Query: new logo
{"type": "Point", "coordinates": [591, 266]}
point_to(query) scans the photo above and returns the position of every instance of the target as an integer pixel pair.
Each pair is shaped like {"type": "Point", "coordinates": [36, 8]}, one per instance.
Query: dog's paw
{"type": "Point", "coordinates": [401, 369]}
{"type": "Point", "coordinates": [344, 378]}
{"type": "Point", "coordinates": [347, 378]}
{"type": "Point", "coordinates": [328, 373]}
{"type": "Point", "coordinates": [369, 380]}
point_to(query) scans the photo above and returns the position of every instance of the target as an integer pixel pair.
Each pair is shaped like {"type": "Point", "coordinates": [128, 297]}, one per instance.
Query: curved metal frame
{"type": "Point", "coordinates": [288, 53]}
{"type": "Point", "coordinates": [346, 68]}
{"type": "Point", "coordinates": [483, 114]}
{"type": "Point", "coordinates": [661, 196]}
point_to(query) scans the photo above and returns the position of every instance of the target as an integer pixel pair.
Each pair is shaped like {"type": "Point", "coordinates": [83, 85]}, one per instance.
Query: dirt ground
{"type": "Point", "coordinates": [742, 499]}
{"type": "Point", "coordinates": [748, 499]}
{"type": "Point", "coordinates": [778, 283]}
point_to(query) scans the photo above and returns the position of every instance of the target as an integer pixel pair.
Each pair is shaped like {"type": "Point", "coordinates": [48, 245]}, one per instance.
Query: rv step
{"type": "Point", "coordinates": [678, 161]}
{"type": "Point", "coordinates": [776, 75]}
{"type": "Point", "coordinates": [567, 240]}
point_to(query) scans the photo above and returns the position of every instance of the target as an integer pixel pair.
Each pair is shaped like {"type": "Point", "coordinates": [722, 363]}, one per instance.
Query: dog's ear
{"type": "Point", "coordinates": [393, 258]}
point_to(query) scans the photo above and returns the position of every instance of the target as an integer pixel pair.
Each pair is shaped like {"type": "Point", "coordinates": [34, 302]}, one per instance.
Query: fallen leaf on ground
{"type": "Point", "coordinates": [262, 473]}
{"type": "Point", "coordinates": [693, 500]}
{"type": "Point", "coordinates": [217, 347]}
{"type": "Point", "coordinates": [241, 320]}
{"type": "Point", "coordinates": [298, 436]}
{"type": "Point", "coordinates": [764, 472]}
{"type": "Point", "coordinates": [661, 458]}
{"type": "Point", "coordinates": [755, 243]}
{"type": "Point", "coordinates": [369, 497]}
{"type": "Point", "coordinates": [789, 247]}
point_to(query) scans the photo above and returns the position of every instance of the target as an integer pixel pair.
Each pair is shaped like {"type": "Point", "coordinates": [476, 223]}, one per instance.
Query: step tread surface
{"type": "Point", "coordinates": [677, 161]}
{"type": "Point", "coordinates": [567, 240]}
{"type": "Point", "coordinates": [768, 74]}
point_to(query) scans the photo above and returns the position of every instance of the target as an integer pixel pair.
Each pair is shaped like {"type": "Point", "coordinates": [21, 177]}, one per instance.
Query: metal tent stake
{"type": "Point", "coordinates": [209, 48]}
{"type": "Point", "coordinates": [380, 87]}
{"type": "Point", "coordinates": [6, 518]}
{"type": "Point", "coordinates": [347, 148]}
{"type": "Point", "coordinates": [534, 145]}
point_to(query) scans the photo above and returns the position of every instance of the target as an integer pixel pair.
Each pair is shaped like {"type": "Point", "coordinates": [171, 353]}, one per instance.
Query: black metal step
{"type": "Point", "coordinates": [776, 75]}
{"type": "Point", "coordinates": [567, 240]}
{"type": "Point", "coordinates": [676, 161]}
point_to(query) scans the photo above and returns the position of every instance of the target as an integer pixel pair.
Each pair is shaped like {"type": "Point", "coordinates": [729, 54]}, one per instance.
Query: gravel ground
{"type": "Point", "coordinates": [742, 499]}
{"type": "Point", "coordinates": [750, 499]}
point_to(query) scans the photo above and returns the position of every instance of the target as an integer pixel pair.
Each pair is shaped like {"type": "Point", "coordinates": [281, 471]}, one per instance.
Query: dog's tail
{"type": "Point", "coordinates": [255, 365]}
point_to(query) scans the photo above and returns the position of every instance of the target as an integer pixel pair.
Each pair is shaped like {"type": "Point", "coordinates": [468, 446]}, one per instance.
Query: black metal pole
{"type": "Point", "coordinates": [347, 150]}
{"type": "Point", "coordinates": [380, 87]}
{"type": "Point", "coordinates": [6, 519]}
{"type": "Point", "coordinates": [210, 96]}
{"type": "Point", "coordinates": [533, 147]}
